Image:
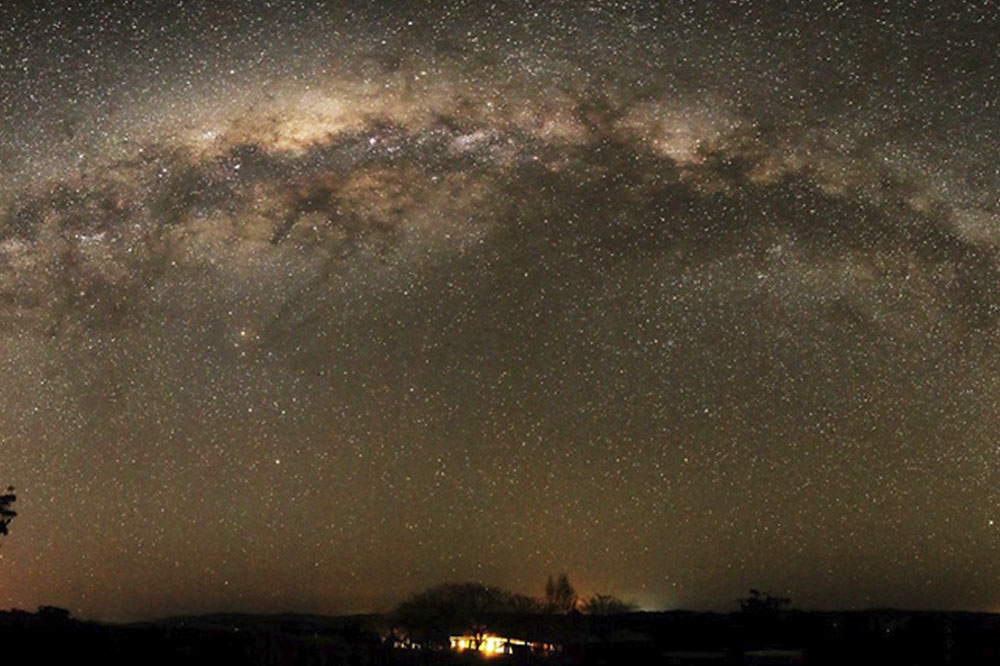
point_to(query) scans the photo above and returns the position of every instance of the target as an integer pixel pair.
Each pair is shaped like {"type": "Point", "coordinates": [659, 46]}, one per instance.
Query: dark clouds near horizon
{"type": "Point", "coordinates": [310, 308]}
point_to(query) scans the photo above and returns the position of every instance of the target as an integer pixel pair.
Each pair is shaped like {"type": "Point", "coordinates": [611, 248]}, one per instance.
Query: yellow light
{"type": "Point", "coordinates": [489, 645]}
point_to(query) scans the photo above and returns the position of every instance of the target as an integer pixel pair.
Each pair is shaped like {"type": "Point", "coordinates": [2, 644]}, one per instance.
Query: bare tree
{"type": "Point", "coordinates": [560, 597]}
{"type": "Point", "coordinates": [606, 604]}
{"type": "Point", "coordinates": [6, 513]}
{"type": "Point", "coordinates": [522, 604]}
{"type": "Point", "coordinates": [603, 611]}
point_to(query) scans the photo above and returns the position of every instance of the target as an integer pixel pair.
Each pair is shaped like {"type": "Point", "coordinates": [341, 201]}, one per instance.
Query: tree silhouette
{"type": "Point", "coordinates": [760, 619]}
{"type": "Point", "coordinates": [762, 603]}
{"type": "Point", "coordinates": [6, 513]}
{"type": "Point", "coordinates": [603, 611]}
{"type": "Point", "coordinates": [606, 604]}
{"type": "Point", "coordinates": [522, 604]}
{"type": "Point", "coordinates": [560, 597]}
{"type": "Point", "coordinates": [453, 608]}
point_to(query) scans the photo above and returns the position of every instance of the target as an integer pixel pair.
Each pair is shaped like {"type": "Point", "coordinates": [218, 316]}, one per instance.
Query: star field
{"type": "Point", "coordinates": [305, 307]}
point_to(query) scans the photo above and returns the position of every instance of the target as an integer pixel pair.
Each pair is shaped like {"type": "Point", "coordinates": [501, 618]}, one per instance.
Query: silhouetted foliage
{"type": "Point", "coordinates": [453, 608]}
{"type": "Point", "coordinates": [762, 603]}
{"type": "Point", "coordinates": [560, 597]}
{"type": "Point", "coordinates": [522, 604]}
{"type": "Point", "coordinates": [606, 604]}
{"type": "Point", "coordinates": [53, 614]}
{"type": "Point", "coordinates": [6, 513]}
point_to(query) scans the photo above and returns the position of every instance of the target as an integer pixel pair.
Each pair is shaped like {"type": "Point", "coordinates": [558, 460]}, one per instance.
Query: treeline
{"type": "Point", "coordinates": [430, 617]}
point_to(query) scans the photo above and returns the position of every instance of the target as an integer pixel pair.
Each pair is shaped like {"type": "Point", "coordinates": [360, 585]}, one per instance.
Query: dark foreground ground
{"type": "Point", "coordinates": [674, 638]}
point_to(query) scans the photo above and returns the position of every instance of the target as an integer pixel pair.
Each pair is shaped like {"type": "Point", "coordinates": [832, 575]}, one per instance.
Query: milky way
{"type": "Point", "coordinates": [310, 308]}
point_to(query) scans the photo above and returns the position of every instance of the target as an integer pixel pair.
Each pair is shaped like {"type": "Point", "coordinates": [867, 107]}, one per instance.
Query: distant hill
{"type": "Point", "coordinates": [249, 621]}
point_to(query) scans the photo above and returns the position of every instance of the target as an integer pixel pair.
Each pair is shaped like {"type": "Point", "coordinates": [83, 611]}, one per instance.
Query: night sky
{"type": "Point", "coordinates": [309, 307]}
